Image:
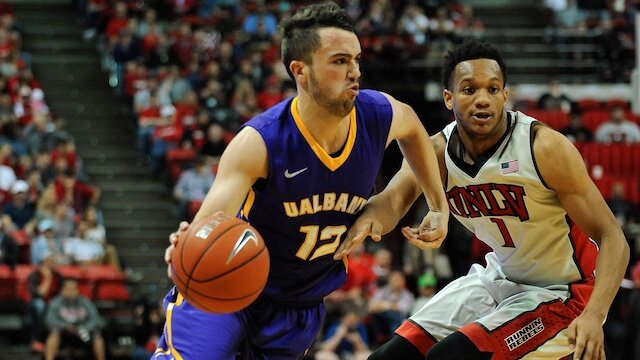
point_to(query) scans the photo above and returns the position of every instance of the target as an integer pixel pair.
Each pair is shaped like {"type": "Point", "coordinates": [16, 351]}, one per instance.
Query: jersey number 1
{"type": "Point", "coordinates": [508, 241]}
{"type": "Point", "coordinates": [313, 235]}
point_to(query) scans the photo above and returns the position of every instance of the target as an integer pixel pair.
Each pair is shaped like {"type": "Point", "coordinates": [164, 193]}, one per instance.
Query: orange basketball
{"type": "Point", "coordinates": [220, 264]}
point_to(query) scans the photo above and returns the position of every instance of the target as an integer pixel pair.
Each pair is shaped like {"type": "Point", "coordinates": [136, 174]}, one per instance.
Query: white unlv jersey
{"type": "Point", "coordinates": [505, 203]}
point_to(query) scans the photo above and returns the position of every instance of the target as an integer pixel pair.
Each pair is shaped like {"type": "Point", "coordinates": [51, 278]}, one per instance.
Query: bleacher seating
{"type": "Point", "coordinates": [96, 282]}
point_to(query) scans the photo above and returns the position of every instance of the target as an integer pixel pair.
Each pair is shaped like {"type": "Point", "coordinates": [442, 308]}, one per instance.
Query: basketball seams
{"type": "Point", "coordinates": [205, 250]}
{"type": "Point", "coordinates": [264, 247]}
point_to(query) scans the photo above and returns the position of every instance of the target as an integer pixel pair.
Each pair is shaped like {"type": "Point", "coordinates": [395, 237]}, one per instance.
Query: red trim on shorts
{"type": "Point", "coordinates": [417, 336]}
{"type": "Point", "coordinates": [511, 340]}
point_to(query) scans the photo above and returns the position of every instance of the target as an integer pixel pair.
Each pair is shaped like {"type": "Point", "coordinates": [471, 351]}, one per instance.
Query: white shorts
{"type": "Point", "coordinates": [511, 320]}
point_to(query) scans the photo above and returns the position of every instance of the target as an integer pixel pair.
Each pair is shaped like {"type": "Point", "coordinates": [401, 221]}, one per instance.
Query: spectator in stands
{"type": "Point", "coordinates": [9, 251]}
{"type": "Point", "coordinates": [97, 232]}
{"type": "Point", "coordinates": [19, 210]}
{"type": "Point", "coordinates": [389, 306]}
{"type": "Point", "coordinates": [346, 338]}
{"type": "Point", "coordinates": [74, 192]}
{"type": "Point", "coordinates": [81, 249]}
{"type": "Point", "coordinates": [45, 244]}
{"type": "Point", "coordinates": [271, 94]}
{"type": "Point", "coordinates": [554, 99]}
{"type": "Point", "coordinates": [620, 207]}
{"type": "Point", "coordinates": [40, 135]}
{"type": "Point", "coordinates": [576, 131]}
{"type": "Point", "coordinates": [618, 129]}
{"type": "Point", "coordinates": [214, 144]}
{"type": "Point", "coordinates": [415, 23]}
{"type": "Point", "coordinates": [65, 148]}
{"type": "Point", "coordinates": [261, 16]}
{"type": "Point", "coordinates": [382, 259]}
{"type": "Point", "coordinates": [192, 185]}
{"type": "Point", "coordinates": [427, 287]}
{"type": "Point", "coordinates": [149, 322]}
{"type": "Point", "coordinates": [73, 319]}
{"type": "Point", "coordinates": [466, 24]}
{"type": "Point", "coordinates": [44, 282]}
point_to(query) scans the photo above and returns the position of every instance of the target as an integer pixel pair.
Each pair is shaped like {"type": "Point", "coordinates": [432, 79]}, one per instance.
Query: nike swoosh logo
{"type": "Point", "coordinates": [289, 175]}
{"type": "Point", "coordinates": [247, 235]}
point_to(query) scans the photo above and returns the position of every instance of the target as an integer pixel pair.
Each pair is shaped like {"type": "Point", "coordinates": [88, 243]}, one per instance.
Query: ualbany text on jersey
{"type": "Point", "coordinates": [344, 202]}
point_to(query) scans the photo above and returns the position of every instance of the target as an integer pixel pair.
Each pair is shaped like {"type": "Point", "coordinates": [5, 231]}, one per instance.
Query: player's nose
{"type": "Point", "coordinates": [354, 70]}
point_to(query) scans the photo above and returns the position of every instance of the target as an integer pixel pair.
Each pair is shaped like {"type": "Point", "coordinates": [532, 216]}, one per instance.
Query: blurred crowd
{"type": "Point", "coordinates": [192, 72]}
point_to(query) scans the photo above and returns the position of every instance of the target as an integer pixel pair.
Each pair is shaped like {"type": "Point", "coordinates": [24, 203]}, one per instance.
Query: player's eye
{"type": "Point", "coordinates": [494, 90]}
{"type": "Point", "coordinates": [467, 91]}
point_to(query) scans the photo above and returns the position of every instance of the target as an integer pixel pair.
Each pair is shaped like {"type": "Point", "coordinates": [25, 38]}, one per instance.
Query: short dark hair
{"type": "Point", "coordinates": [470, 49]}
{"type": "Point", "coordinates": [299, 33]}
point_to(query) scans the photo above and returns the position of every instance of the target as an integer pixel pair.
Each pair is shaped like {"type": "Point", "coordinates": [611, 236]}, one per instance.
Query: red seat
{"type": "Point", "coordinates": [611, 103]}
{"type": "Point", "coordinates": [176, 160]}
{"type": "Point", "coordinates": [588, 104]}
{"type": "Point", "coordinates": [593, 119]}
{"type": "Point", "coordinates": [555, 119]}
{"type": "Point", "coordinates": [194, 206]}
{"type": "Point", "coordinates": [8, 284]}
{"type": "Point", "coordinates": [111, 290]}
{"type": "Point", "coordinates": [22, 272]}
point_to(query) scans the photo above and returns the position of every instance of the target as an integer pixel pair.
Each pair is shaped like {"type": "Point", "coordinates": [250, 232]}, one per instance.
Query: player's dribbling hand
{"type": "Point", "coordinates": [586, 337]}
{"type": "Point", "coordinates": [431, 232]}
{"type": "Point", "coordinates": [173, 240]}
{"type": "Point", "coordinates": [365, 225]}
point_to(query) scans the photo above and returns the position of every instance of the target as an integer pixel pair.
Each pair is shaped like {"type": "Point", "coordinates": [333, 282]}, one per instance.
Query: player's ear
{"type": "Point", "coordinates": [448, 99]}
{"type": "Point", "coordinates": [505, 93]}
{"type": "Point", "coordinates": [297, 69]}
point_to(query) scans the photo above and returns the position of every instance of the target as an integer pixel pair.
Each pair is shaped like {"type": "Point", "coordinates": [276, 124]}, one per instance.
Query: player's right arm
{"type": "Point", "coordinates": [385, 209]}
{"type": "Point", "coordinates": [243, 162]}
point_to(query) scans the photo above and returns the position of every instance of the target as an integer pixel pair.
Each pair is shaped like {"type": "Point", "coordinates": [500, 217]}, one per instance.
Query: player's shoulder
{"type": "Point", "coordinates": [271, 117]}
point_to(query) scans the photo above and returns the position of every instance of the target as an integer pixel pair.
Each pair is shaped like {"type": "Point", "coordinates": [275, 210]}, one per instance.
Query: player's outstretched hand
{"type": "Point", "coordinates": [365, 225]}
{"type": "Point", "coordinates": [431, 232]}
{"type": "Point", "coordinates": [586, 337]}
{"type": "Point", "coordinates": [173, 240]}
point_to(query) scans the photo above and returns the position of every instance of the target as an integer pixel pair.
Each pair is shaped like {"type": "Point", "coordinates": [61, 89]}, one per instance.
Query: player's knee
{"type": "Point", "coordinates": [396, 348]}
{"type": "Point", "coordinates": [456, 347]}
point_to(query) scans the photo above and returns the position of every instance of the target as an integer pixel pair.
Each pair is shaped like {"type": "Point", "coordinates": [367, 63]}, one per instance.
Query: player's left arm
{"type": "Point", "coordinates": [419, 151]}
{"type": "Point", "coordinates": [562, 168]}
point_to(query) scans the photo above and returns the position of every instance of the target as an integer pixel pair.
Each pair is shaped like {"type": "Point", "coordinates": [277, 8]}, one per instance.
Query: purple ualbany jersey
{"type": "Point", "coordinates": [309, 199]}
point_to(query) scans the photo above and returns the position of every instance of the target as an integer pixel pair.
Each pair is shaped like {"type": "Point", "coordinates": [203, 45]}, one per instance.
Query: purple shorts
{"type": "Point", "coordinates": [267, 329]}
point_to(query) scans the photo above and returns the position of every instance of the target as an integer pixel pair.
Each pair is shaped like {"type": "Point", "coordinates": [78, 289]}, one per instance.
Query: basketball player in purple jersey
{"type": "Point", "coordinates": [300, 173]}
{"type": "Point", "coordinates": [523, 189]}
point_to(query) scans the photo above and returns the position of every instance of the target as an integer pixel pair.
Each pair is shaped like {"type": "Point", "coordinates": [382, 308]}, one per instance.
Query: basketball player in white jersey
{"type": "Point", "coordinates": [523, 189]}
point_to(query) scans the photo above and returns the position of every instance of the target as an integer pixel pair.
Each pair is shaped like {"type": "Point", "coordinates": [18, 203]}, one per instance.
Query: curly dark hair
{"type": "Point", "coordinates": [299, 33]}
{"type": "Point", "coordinates": [470, 50]}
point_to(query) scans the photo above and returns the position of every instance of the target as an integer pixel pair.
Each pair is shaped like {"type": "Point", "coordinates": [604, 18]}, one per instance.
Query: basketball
{"type": "Point", "coordinates": [220, 264]}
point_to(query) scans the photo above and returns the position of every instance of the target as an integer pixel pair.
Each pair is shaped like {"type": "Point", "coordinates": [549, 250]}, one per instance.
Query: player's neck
{"type": "Point", "coordinates": [329, 131]}
{"type": "Point", "coordinates": [475, 146]}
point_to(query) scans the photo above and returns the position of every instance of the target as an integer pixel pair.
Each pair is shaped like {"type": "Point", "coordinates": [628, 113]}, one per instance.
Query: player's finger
{"type": "Point", "coordinates": [431, 235]}
{"type": "Point", "coordinates": [376, 231]}
{"type": "Point", "coordinates": [167, 253]}
{"type": "Point", "coordinates": [354, 236]}
{"type": "Point", "coordinates": [409, 233]}
{"type": "Point", "coordinates": [579, 350]}
{"type": "Point", "coordinates": [183, 226]}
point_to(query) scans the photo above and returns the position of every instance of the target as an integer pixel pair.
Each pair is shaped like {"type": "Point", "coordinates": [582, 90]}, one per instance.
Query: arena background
{"type": "Point", "coordinates": [82, 60]}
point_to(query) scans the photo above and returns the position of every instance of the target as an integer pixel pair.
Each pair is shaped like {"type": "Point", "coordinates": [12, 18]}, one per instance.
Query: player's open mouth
{"type": "Point", "coordinates": [481, 116]}
{"type": "Point", "coordinates": [354, 89]}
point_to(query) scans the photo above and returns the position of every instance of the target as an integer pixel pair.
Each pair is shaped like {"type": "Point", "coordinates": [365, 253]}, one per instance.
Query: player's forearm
{"type": "Point", "coordinates": [611, 265]}
{"type": "Point", "coordinates": [389, 206]}
{"type": "Point", "coordinates": [419, 152]}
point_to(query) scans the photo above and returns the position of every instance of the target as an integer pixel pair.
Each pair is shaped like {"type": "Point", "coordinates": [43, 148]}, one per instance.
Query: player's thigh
{"type": "Point", "coordinates": [280, 332]}
{"type": "Point", "coordinates": [194, 334]}
{"type": "Point", "coordinates": [530, 324]}
{"type": "Point", "coordinates": [460, 302]}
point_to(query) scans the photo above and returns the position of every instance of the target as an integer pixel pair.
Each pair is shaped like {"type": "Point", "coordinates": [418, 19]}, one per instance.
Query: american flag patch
{"type": "Point", "coordinates": [509, 167]}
